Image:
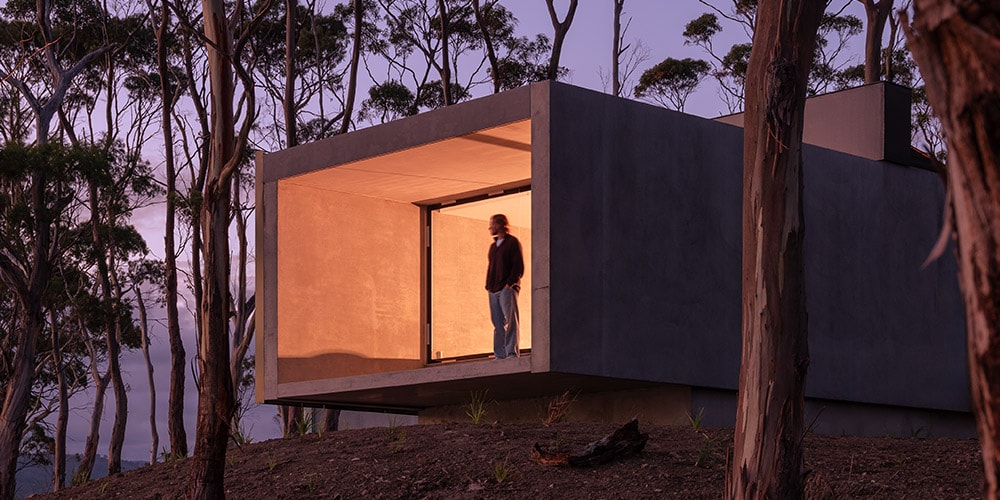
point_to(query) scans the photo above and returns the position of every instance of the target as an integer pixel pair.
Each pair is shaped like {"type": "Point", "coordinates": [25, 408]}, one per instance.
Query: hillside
{"type": "Point", "coordinates": [464, 460]}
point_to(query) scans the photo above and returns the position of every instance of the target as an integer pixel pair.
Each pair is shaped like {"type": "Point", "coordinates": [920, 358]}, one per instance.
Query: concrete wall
{"type": "Point", "coordinates": [645, 241]}
{"type": "Point", "coordinates": [881, 330]}
{"type": "Point", "coordinates": [335, 250]}
{"type": "Point", "coordinates": [645, 216]}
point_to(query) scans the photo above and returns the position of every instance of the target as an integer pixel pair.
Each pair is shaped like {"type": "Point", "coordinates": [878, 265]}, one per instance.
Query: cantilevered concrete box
{"type": "Point", "coordinates": [371, 257]}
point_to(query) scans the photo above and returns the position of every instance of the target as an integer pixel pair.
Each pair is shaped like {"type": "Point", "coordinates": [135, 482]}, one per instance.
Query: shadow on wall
{"type": "Point", "coordinates": [338, 364]}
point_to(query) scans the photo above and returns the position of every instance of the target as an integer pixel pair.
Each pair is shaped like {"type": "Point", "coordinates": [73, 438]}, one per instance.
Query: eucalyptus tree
{"type": "Point", "coordinates": [300, 55]}
{"type": "Point", "coordinates": [113, 193]}
{"type": "Point", "coordinates": [728, 69]}
{"type": "Point", "coordinates": [143, 274]}
{"type": "Point", "coordinates": [408, 28]}
{"type": "Point", "coordinates": [836, 30]}
{"type": "Point", "coordinates": [485, 13]}
{"type": "Point", "coordinates": [167, 79]}
{"type": "Point", "coordinates": [672, 81]}
{"type": "Point", "coordinates": [617, 39]}
{"type": "Point", "coordinates": [957, 47]}
{"type": "Point", "coordinates": [227, 155]}
{"type": "Point", "coordinates": [39, 190]}
{"type": "Point", "coordinates": [27, 271]}
{"type": "Point", "coordinates": [877, 12]}
{"type": "Point", "coordinates": [514, 61]}
{"type": "Point", "coordinates": [560, 29]}
{"type": "Point", "coordinates": [358, 11]}
{"type": "Point", "coordinates": [767, 445]}
{"type": "Point", "coordinates": [441, 32]}
{"type": "Point", "coordinates": [129, 105]}
{"type": "Point", "coordinates": [729, 66]}
{"type": "Point", "coordinates": [625, 57]}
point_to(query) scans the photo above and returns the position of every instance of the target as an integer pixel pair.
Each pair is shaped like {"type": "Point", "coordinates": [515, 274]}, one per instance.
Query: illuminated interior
{"type": "Point", "coordinates": [459, 308]}
{"type": "Point", "coordinates": [354, 295]}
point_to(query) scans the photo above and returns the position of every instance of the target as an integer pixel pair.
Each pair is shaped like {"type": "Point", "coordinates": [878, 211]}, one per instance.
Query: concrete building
{"type": "Point", "coordinates": [371, 257]}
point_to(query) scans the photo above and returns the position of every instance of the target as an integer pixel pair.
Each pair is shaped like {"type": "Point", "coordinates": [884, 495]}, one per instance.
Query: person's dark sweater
{"type": "Point", "coordinates": [506, 265]}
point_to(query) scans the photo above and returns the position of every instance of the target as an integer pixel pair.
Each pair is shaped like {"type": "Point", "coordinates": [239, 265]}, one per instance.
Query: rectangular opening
{"type": "Point", "coordinates": [459, 311]}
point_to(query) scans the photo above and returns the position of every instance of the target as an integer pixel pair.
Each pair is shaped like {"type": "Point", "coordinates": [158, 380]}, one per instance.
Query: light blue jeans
{"type": "Point", "coordinates": [503, 312]}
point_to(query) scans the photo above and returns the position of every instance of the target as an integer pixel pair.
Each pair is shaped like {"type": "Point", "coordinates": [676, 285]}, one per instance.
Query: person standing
{"type": "Point", "coordinates": [503, 282]}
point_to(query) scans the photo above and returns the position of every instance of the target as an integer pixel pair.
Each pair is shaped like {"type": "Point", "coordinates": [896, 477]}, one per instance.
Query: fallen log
{"type": "Point", "coordinates": [625, 441]}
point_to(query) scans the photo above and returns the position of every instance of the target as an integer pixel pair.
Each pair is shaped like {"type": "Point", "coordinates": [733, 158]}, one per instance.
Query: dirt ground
{"type": "Point", "coordinates": [465, 460]}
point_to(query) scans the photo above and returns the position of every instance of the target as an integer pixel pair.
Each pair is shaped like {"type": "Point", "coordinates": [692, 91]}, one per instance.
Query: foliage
{"type": "Point", "coordinates": [672, 81]}
{"type": "Point", "coordinates": [695, 420]}
{"type": "Point", "coordinates": [476, 407]}
{"type": "Point", "coordinates": [502, 470]}
{"type": "Point", "coordinates": [558, 408]}
{"type": "Point", "coordinates": [388, 101]}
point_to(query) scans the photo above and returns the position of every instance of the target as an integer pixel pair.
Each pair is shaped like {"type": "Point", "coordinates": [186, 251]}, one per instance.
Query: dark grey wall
{"type": "Point", "coordinates": [645, 241]}
{"type": "Point", "coordinates": [881, 330]}
{"type": "Point", "coordinates": [645, 259]}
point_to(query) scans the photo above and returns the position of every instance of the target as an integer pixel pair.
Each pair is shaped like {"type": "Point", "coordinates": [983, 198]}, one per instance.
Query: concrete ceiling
{"type": "Point", "coordinates": [477, 162]}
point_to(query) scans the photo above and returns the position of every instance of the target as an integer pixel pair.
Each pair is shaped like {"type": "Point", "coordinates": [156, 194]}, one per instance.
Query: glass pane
{"type": "Point", "coordinates": [460, 239]}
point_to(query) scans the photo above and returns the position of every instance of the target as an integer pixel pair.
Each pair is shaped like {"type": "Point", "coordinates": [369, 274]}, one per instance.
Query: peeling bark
{"type": "Point", "coordinates": [767, 459]}
{"type": "Point", "coordinates": [956, 45]}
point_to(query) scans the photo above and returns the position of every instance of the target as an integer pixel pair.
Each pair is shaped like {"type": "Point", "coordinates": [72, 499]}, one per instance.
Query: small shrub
{"type": "Point", "coordinates": [501, 470]}
{"type": "Point", "coordinates": [304, 424]}
{"type": "Point", "coordinates": [397, 442]}
{"type": "Point", "coordinates": [558, 408]}
{"type": "Point", "coordinates": [695, 420]}
{"type": "Point", "coordinates": [476, 407]}
{"type": "Point", "coordinates": [167, 456]}
{"type": "Point", "coordinates": [708, 449]}
{"type": "Point", "coordinates": [241, 435]}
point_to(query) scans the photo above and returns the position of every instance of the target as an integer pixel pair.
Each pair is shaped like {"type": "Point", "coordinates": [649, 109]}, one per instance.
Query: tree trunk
{"type": "Point", "coordinates": [175, 406]}
{"type": "Point", "coordinates": [491, 53]}
{"type": "Point", "coordinates": [154, 436]}
{"type": "Point", "coordinates": [957, 48]}
{"type": "Point", "coordinates": [616, 48]}
{"type": "Point", "coordinates": [877, 13]}
{"type": "Point", "coordinates": [291, 417]}
{"type": "Point", "coordinates": [331, 420]}
{"type": "Point", "coordinates": [291, 72]}
{"type": "Point", "coordinates": [112, 330]}
{"type": "Point", "coordinates": [85, 468]}
{"type": "Point", "coordinates": [352, 82]}
{"type": "Point", "coordinates": [86, 465]}
{"type": "Point", "coordinates": [18, 396]}
{"type": "Point", "coordinates": [62, 417]}
{"type": "Point", "coordinates": [445, 63]}
{"type": "Point", "coordinates": [559, 36]}
{"type": "Point", "coordinates": [215, 391]}
{"type": "Point", "coordinates": [767, 459]}
{"type": "Point", "coordinates": [29, 290]}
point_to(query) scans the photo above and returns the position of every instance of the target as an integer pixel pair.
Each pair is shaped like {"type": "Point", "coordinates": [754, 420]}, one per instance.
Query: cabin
{"type": "Point", "coordinates": [371, 258]}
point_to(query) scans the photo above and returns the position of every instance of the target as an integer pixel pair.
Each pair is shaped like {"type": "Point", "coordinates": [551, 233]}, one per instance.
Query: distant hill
{"type": "Point", "coordinates": [38, 478]}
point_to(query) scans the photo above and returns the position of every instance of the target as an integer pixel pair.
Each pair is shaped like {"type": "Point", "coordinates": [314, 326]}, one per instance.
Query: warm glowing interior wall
{"type": "Point", "coordinates": [348, 286]}
{"type": "Point", "coordinates": [460, 312]}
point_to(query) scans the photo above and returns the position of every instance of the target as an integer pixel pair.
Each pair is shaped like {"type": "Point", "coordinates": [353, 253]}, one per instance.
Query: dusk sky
{"type": "Point", "coordinates": [658, 24]}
